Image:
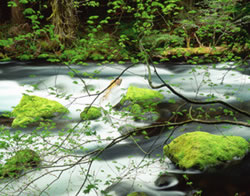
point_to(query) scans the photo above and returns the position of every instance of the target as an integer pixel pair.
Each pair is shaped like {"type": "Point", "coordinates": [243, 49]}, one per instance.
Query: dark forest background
{"type": "Point", "coordinates": [75, 31]}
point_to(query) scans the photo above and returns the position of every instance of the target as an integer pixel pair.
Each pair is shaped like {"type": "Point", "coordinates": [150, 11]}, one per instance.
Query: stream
{"type": "Point", "coordinates": [132, 164]}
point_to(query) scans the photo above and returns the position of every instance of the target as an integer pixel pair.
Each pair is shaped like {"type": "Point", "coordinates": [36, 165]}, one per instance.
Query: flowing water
{"type": "Point", "coordinates": [126, 167]}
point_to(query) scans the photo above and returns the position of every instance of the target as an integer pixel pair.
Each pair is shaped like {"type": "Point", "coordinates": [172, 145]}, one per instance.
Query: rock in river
{"type": "Point", "coordinates": [201, 150]}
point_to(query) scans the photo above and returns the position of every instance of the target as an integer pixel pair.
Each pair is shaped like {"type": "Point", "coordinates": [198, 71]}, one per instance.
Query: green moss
{"type": "Point", "coordinates": [142, 95]}
{"type": "Point", "coordinates": [136, 109]}
{"type": "Point", "coordinates": [141, 101]}
{"type": "Point", "coordinates": [33, 109]}
{"type": "Point", "coordinates": [92, 114]}
{"type": "Point", "coordinates": [137, 194]}
{"type": "Point", "coordinates": [21, 161]}
{"type": "Point", "coordinates": [201, 150]}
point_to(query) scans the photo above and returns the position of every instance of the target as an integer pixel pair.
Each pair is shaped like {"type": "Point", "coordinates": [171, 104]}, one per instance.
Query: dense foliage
{"type": "Point", "coordinates": [76, 31]}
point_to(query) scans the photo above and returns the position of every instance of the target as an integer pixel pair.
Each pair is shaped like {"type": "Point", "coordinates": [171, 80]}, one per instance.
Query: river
{"type": "Point", "coordinates": [132, 164]}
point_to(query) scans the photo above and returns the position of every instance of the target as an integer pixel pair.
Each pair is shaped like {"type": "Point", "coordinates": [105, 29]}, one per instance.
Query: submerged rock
{"type": "Point", "coordinates": [201, 150]}
{"type": "Point", "coordinates": [33, 109]}
{"type": "Point", "coordinates": [91, 113]}
{"type": "Point", "coordinates": [21, 161]}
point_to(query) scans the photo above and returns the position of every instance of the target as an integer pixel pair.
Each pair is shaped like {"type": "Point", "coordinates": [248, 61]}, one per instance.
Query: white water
{"type": "Point", "coordinates": [232, 83]}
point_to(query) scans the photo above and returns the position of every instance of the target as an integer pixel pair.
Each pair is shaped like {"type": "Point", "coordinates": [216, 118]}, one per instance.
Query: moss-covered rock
{"type": "Point", "coordinates": [91, 113]}
{"type": "Point", "coordinates": [137, 194]}
{"type": "Point", "coordinates": [33, 109]}
{"type": "Point", "coordinates": [21, 161]}
{"type": "Point", "coordinates": [141, 103]}
{"type": "Point", "coordinates": [201, 150]}
{"type": "Point", "coordinates": [142, 96]}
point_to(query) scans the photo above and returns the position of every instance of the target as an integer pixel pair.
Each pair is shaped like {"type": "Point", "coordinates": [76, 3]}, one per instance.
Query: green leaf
{"type": "Point", "coordinates": [12, 4]}
{"type": "Point", "coordinates": [93, 17]}
{"type": "Point", "coordinates": [71, 74]}
{"type": "Point", "coordinates": [171, 101]}
{"type": "Point", "coordinates": [32, 76]}
{"type": "Point", "coordinates": [23, 1]}
{"type": "Point", "coordinates": [192, 12]}
{"type": "Point", "coordinates": [28, 11]}
{"type": "Point", "coordinates": [43, 55]}
{"type": "Point", "coordinates": [90, 22]}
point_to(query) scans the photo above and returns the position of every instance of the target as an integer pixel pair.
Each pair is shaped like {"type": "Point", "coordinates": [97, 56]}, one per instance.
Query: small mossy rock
{"type": "Point", "coordinates": [91, 113]}
{"type": "Point", "coordinates": [141, 102]}
{"type": "Point", "coordinates": [201, 150]}
{"type": "Point", "coordinates": [137, 194]}
{"type": "Point", "coordinates": [142, 96]}
{"type": "Point", "coordinates": [21, 161]}
{"type": "Point", "coordinates": [33, 109]}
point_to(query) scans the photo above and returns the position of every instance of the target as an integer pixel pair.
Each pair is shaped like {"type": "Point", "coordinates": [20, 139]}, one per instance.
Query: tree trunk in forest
{"type": "Point", "coordinates": [17, 14]}
{"type": "Point", "coordinates": [64, 19]}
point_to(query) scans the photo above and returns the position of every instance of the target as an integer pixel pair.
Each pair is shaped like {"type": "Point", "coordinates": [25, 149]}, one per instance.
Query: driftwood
{"type": "Point", "coordinates": [193, 51]}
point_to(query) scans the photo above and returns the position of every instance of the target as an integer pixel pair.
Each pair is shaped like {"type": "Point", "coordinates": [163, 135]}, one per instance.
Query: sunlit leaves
{"type": "Point", "coordinates": [12, 4]}
{"type": "Point", "coordinates": [29, 11]}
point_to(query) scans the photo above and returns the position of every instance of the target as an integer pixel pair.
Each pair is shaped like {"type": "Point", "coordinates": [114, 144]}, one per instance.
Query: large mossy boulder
{"type": "Point", "coordinates": [21, 161]}
{"type": "Point", "coordinates": [139, 101]}
{"type": "Point", "coordinates": [33, 109]}
{"type": "Point", "coordinates": [91, 113]}
{"type": "Point", "coordinates": [201, 150]}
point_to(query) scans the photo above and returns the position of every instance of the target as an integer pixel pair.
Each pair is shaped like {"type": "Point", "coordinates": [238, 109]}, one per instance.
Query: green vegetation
{"type": "Point", "coordinates": [62, 31]}
{"type": "Point", "coordinates": [21, 161]}
{"type": "Point", "coordinates": [141, 100]}
{"type": "Point", "coordinates": [142, 96]}
{"type": "Point", "coordinates": [201, 150]}
{"type": "Point", "coordinates": [33, 109]}
{"type": "Point", "coordinates": [91, 113]}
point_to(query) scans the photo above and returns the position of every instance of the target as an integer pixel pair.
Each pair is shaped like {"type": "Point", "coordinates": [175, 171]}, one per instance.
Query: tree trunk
{"type": "Point", "coordinates": [17, 17]}
{"type": "Point", "coordinates": [64, 19]}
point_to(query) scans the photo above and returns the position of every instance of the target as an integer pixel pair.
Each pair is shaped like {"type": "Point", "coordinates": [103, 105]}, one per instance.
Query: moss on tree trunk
{"type": "Point", "coordinates": [64, 19]}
